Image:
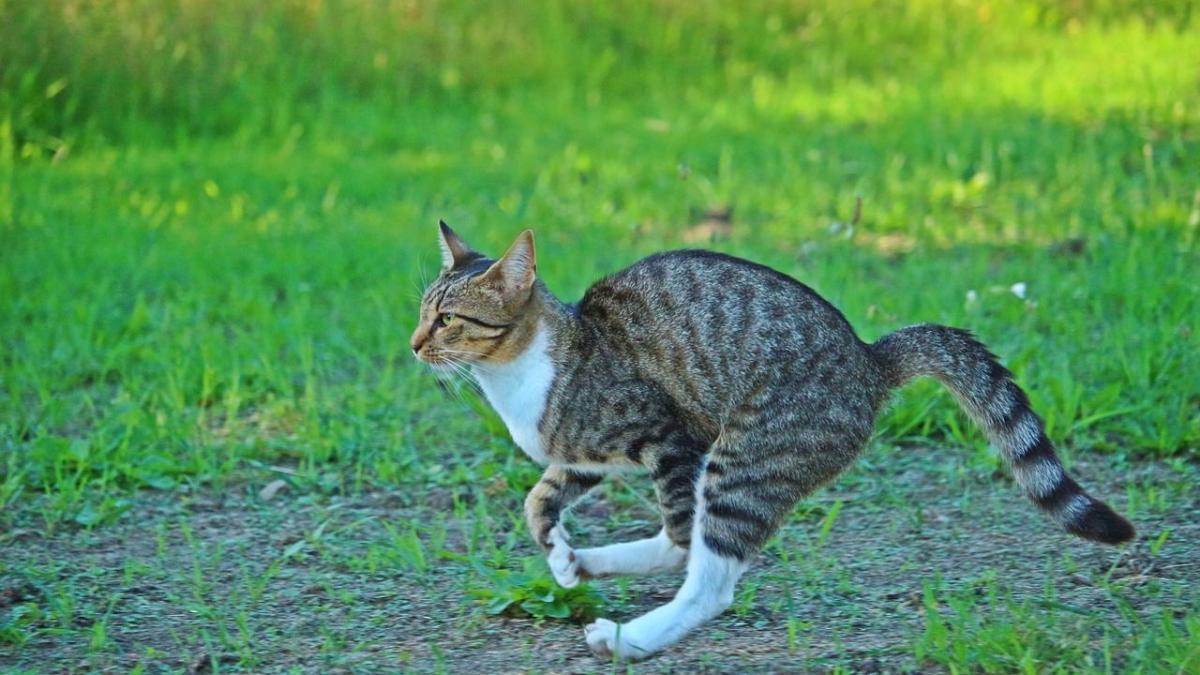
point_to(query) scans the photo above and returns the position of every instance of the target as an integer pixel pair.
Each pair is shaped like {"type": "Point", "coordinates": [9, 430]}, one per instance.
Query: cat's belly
{"type": "Point", "coordinates": [530, 441]}
{"type": "Point", "coordinates": [598, 468]}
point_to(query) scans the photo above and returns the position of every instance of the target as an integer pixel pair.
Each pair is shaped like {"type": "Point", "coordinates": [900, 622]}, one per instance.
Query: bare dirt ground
{"type": "Point", "coordinates": [224, 580]}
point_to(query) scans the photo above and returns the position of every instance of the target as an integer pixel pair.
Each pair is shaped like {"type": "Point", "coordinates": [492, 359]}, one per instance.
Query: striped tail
{"type": "Point", "coordinates": [986, 390]}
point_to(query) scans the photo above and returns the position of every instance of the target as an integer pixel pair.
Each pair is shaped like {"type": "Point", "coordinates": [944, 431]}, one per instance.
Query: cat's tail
{"type": "Point", "coordinates": [986, 390]}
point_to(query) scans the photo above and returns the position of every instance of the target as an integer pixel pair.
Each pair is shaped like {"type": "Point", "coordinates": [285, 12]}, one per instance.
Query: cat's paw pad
{"type": "Point", "coordinates": [563, 561]}
{"type": "Point", "coordinates": [607, 638]}
{"type": "Point", "coordinates": [601, 636]}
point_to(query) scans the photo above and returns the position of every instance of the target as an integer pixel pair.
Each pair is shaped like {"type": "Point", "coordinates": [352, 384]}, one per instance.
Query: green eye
{"type": "Point", "coordinates": [448, 319]}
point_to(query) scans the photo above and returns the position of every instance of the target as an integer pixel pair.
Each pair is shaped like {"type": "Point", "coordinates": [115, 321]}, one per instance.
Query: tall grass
{"type": "Point", "coordinates": [73, 70]}
{"type": "Point", "coordinates": [214, 215]}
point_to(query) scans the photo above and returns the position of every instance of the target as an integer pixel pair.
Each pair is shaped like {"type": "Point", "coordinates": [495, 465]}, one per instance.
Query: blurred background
{"type": "Point", "coordinates": [137, 71]}
{"type": "Point", "coordinates": [216, 216]}
{"type": "Point", "coordinates": [175, 177]}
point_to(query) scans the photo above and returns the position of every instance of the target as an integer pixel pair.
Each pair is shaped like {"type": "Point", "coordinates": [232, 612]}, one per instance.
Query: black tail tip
{"type": "Point", "coordinates": [1100, 523]}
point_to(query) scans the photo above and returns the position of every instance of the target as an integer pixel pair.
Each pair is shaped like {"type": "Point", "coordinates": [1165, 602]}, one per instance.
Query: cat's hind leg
{"type": "Point", "coordinates": [768, 457]}
{"type": "Point", "coordinates": [707, 591]}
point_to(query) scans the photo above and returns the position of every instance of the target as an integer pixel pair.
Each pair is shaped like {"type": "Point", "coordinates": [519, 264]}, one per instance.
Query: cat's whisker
{"type": "Point", "coordinates": [456, 367]}
{"type": "Point", "coordinates": [421, 273]}
{"type": "Point", "coordinates": [452, 385]}
{"type": "Point", "coordinates": [468, 380]}
{"type": "Point", "coordinates": [458, 352]}
{"type": "Point", "coordinates": [463, 369]}
{"type": "Point", "coordinates": [458, 358]}
{"type": "Point", "coordinates": [446, 383]}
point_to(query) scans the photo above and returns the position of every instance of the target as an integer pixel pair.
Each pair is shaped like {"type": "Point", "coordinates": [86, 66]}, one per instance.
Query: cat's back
{"type": "Point", "coordinates": [708, 331]}
{"type": "Point", "coordinates": [705, 316]}
{"type": "Point", "coordinates": [695, 287]}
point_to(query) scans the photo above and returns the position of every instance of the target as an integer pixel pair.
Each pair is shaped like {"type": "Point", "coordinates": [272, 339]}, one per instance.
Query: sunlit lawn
{"type": "Point", "coordinates": [191, 308]}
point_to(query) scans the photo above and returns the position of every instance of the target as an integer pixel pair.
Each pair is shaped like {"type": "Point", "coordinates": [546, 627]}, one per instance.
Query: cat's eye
{"type": "Point", "coordinates": [447, 318]}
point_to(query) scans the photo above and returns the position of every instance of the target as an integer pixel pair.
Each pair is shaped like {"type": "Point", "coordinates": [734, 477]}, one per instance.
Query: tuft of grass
{"type": "Point", "coordinates": [984, 629]}
{"type": "Point", "coordinates": [141, 70]}
{"type": "Point", "coordinates": [19, 623]}
{"type": "Point", "coordinates": [533, 593]}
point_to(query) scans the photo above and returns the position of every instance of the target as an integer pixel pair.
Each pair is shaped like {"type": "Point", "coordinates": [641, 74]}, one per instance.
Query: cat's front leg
{"type": "Point", "coordinates": [674, 465]}
{"type": "Point", "coordinates": [643, 556]}
{"type": "Point", "coordinates": [557, 490]}
{"type": "Point", "coordinates": [565, 562]}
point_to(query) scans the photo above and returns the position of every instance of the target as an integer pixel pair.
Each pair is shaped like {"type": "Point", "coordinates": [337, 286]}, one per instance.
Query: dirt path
{"type": "Point", "coordinates": [320, 583]}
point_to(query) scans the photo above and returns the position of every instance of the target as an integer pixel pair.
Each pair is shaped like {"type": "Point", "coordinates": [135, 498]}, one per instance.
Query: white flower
{"type": "Point", "coordinates": [1018, 289]}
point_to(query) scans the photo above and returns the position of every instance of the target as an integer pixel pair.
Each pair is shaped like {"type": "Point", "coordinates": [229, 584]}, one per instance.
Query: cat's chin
{"type": "Point", "coordinates": [443, 371]}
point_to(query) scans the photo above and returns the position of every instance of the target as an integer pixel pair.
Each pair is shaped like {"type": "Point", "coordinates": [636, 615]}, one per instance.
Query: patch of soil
{"type": "Point", "coordinates": [230, 581]}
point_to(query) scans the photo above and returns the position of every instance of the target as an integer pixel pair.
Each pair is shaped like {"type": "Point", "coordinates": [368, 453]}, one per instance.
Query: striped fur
{"type": "Point", "coordinates": [738, 388]}
{"type": "Point", "coordinates": [988, 393]}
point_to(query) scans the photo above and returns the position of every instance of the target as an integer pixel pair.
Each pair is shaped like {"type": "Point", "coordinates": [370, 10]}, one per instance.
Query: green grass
{"type": "Point", "coordinates": [215, 221]}
{"type": "Point", "coordinates": [983, 628]}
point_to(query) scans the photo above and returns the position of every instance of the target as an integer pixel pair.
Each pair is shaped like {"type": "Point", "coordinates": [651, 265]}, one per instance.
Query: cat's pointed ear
{"type": "Point", "coordinates": [454, 250]}
{"type": "Point", "coordinates": [514, 272]}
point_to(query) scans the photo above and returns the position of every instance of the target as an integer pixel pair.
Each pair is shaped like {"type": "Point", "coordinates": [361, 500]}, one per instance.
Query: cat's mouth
{"type": "Point", "coordinates": [431, 358]}
{"type": "Point", "coordinates": [438, 360]}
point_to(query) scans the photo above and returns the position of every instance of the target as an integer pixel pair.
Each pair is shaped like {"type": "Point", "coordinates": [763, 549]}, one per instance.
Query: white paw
{"type": "Point", "coordinates": [606, 638]}
{"type": "Point", "coordinates": [564, 563]}
{"type": "Point", "coordinates": [601, 636]}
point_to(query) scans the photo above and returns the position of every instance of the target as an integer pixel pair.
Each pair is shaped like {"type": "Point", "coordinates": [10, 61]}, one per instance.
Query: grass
{"type": "Point", "coordinates": [210, 262]}
{"type": "Point", "coordinates": [983, 629]}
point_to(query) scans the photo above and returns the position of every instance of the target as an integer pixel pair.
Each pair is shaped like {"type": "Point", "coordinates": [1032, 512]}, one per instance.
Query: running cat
{"type": "Point", "coordinates": [737, 387]}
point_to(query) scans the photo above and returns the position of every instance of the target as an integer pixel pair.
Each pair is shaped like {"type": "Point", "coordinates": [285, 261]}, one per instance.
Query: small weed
{"type": "Point", "coordinates": [744, 602]}
{"type": "Point", "coordinates": [534, 594]}
{"type": "Point", "coordinates": [794, 628]}
{"type": "Point", "coordinates": [405, 548]}
{"type": "Point", "coordinates": [828, 522]}
{"type": "Point", "coordinates": [19, 623]}
{"type": "Point", "coordinates": [1156, 546]}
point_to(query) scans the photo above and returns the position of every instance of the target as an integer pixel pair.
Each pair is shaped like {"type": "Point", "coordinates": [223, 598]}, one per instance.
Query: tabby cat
{"type": "Point", "coordinates": [737, 387]}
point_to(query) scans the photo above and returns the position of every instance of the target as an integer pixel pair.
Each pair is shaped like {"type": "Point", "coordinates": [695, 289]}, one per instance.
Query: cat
{"type": "Point", "coordinates": [739, 388]}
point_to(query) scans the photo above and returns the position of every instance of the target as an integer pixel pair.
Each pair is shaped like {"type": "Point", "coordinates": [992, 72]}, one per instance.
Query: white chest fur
{"type": "Point", "coordinates": [518, 390]}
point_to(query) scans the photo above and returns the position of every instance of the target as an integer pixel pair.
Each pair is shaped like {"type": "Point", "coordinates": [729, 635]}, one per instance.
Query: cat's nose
{"type": "Point", "coordinates": [418, 340]}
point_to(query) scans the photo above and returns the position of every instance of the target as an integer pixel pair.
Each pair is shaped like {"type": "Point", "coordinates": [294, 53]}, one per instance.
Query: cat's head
{"type": "Point", "coordinates": [478, 309]}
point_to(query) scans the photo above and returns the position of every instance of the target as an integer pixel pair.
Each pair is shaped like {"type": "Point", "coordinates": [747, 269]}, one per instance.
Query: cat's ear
{"type": "Point", "coordinates": [514, 272]}
{"type": "Point", "coordinates": [454, 250]}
